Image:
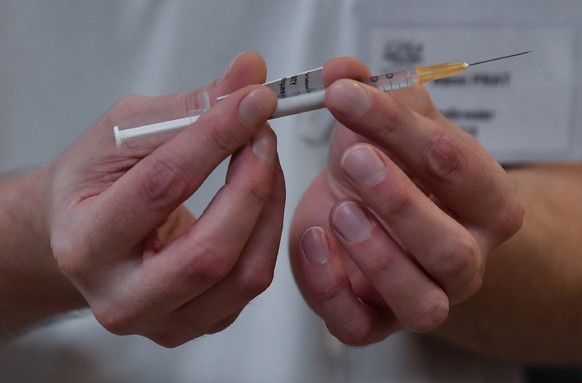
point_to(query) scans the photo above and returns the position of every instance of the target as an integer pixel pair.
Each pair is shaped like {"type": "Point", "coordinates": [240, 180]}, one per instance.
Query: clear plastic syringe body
{"type": "Point", "coordinates": [390, 82]}
{"type": "Point", "coordinates": [293, 101]}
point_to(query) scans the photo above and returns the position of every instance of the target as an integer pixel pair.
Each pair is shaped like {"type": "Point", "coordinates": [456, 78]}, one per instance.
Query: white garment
{"type": "Point", "coordinates": [65, 62]}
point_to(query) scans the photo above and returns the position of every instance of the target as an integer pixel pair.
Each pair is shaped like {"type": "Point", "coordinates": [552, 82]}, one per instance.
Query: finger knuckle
{"type": "Point", "coordinates": [472, 287]}
{"type": "Point", "coordinates": [427, 314]}
{"type": "Point", "coordinates": [258, 189]}
{"type": "Point", "coordinates": [393, 121]}
{"type": "Point", "coordinates": [70, 254]}
{"type": "Point", "coordinates": [117, 319]}
{"type": "Point", "coordinates": [394, 202]}
{"type": "Point", "coordinates": [511, 218]}
{"type": "Point", "coordinates": [353, 332]}
{"type": "Point", "coordinates": [164, 185]}
{"type": "Point", "coordinates": [459, 260]}
{"type": "Point", "coordinates": [168, 338]}
{"type": "Point", "coordinates": [254, 280]}
{"type": "Point", "coordinates": [223, 324]}
{"type": "Point", "coordinates": [442, 155]}
{"type": "Point", "coordinates": [327, 293]}
{"type": "Point", "coordinates": [208, 265]}
{"type": "Point", "coordinates": [220, 139]}
{"type": "Point", "coordinates": [379, 266]}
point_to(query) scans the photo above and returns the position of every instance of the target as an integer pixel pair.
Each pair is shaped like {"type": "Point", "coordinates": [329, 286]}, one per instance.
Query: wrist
{"type": "Point", "coordinates": [32, 287]}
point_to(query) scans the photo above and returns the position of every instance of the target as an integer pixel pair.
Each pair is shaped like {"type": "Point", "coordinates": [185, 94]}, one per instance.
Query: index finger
{"type": "Point", "coordinates": [351, 68]}
{"type": "Point", "coordinates": [144, 196]}
{"type": "Point", "coordinates": [344, 67]}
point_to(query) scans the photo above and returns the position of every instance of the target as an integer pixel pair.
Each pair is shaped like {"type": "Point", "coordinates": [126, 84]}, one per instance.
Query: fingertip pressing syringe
{"type": "Point", "coordinates": [305, 92]}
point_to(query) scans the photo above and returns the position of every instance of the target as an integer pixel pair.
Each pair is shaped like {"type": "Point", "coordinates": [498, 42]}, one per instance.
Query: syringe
{"type": "Point", "coordinates": [305, 92]}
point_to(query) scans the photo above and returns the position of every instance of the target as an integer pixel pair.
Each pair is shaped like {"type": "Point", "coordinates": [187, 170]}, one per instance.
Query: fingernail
{"type": "Point", "coordinates": [315, 246]}
{"type": "Point", "coordinates": [263, 145]}
{"type": "Point", "coordinates": [221, 79]}
{"type": "Point", "coordinates": [351, 221]}
{"type": "Point", "coordinates": [255, 109]}
{"type": "Point", "coordinates": [349, 98]}
{"type": "Point", "coordinates": [363, 166]}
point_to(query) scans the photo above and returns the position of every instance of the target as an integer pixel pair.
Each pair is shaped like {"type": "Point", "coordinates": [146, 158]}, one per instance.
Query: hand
{"type": "Point", "coordinates": [118, 228]}
{"type": "Point", "coordinates": [399, 225]}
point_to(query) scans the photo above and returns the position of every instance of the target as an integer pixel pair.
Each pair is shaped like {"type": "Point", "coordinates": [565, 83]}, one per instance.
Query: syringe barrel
{"type": "Point", "coordinates": [393, 81]}
{"type": "Point", "coordinates": [299, 104]}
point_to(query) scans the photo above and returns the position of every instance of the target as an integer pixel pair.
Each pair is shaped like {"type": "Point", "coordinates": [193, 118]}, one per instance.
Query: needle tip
{"type": "Point", "coordinates": [500, 58]}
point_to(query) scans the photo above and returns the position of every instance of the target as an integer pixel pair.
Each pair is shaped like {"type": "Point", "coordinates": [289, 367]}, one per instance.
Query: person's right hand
{"type": "Point", "coordinates": [120, 233]}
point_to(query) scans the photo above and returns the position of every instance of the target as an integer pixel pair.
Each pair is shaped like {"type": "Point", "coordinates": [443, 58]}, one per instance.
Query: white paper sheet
{"type": "Point", "coordinates": [525, 109]}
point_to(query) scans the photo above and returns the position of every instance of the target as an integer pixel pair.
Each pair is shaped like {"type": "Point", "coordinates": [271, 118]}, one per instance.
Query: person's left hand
{"type": "Point", "coordinates": [399, 225]}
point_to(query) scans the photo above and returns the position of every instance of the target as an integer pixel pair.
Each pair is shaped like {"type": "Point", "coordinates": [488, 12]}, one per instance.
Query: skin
{"type": "Point", "coordinates": [400, 225]}
{"type": "Point", "coordinates": [529, 306]}
{"type": "Point", "coordinates": [439, 214]}
{"type": "Point", "coordinates": [113, 234]}
{"type": "Point", "coordinates": [396, 233]}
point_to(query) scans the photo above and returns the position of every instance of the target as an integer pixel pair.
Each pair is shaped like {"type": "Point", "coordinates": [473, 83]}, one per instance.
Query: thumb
{"type": "Point", "coordinates": [248, 68]}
